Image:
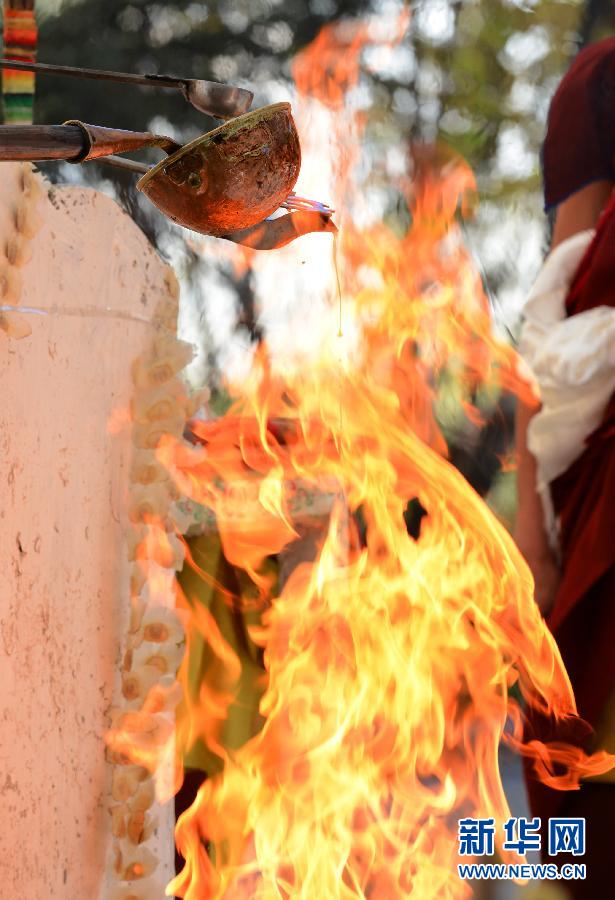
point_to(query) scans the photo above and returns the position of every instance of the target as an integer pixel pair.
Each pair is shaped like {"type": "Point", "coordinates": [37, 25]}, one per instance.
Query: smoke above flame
{"type": "Point", "coordinates": [389, 659]}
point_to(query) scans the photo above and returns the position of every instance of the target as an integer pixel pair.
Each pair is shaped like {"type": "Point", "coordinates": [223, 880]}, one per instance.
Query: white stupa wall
{"type": "Point", "coordinates": [64, 466]}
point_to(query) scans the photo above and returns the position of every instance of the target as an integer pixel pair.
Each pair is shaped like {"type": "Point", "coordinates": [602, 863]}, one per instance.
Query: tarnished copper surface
{"type": "Point", "coordinates": [232, 177]}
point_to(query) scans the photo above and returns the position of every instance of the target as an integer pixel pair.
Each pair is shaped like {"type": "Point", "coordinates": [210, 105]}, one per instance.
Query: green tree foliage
{"type": "Point", "coordinates": [476, 73]}
{"type": "Point", "coordinates": [491, 67]}
{"type": "Point", "coordinates": [248, 42]}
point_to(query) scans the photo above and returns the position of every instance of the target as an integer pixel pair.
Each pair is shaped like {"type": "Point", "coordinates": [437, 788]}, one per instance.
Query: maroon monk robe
{"type": "Point", "coordinates": [583, 615]}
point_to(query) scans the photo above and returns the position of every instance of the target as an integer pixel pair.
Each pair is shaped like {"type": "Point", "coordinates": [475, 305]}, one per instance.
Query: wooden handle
{"type": "Point", "coordinates": [36, 142]}
{"type": "Point", "coordinates": [74, 141]}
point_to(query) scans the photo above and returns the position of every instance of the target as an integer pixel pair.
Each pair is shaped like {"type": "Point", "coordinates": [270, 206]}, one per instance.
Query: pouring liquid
{"type": "Point", "coordinates": [340, 331]}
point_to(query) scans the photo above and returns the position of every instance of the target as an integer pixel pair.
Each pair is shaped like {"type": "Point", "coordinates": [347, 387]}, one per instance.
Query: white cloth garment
{"type": "Point", "coordinates": [573, 362]}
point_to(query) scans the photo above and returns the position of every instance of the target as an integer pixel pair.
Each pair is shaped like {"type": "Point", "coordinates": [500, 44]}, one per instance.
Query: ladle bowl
{"type": "Point", "coordinates": [232, 177]}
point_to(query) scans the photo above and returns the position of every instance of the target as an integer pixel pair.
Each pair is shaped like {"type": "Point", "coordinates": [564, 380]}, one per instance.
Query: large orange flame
{"type": "Point", "coordinates": [389, 660]}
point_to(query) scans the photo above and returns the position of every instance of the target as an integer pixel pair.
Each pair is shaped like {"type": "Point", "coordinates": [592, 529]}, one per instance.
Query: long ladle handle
{"type": "Point", "coordinates": [74, 141]}
{"type": "Point", "coordinates": [99, 74]}
{"type": "Point", "coordinates": [220, 100]}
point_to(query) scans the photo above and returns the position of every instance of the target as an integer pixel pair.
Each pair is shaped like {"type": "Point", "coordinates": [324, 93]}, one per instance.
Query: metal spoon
{"type": "Point", "coordinates": [223, 101]}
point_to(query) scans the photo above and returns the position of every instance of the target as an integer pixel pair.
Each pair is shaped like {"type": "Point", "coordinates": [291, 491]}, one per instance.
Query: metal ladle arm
{"type": "Point", "coordinates": [223, 101]}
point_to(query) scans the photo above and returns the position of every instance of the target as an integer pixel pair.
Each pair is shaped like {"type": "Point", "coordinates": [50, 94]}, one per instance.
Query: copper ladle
{"type": "Point", "coordinates": [226, 181]}
{"type": "Point", "coordinates": [231, 177]}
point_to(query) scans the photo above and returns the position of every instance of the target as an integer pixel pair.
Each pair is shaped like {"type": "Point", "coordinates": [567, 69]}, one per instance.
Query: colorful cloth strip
{"type": "Point", "coordinates": [20, 39]}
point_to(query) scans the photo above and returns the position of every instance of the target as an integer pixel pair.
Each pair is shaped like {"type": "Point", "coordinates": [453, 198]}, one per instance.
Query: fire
{"type": "Point", "coordinates": [389, 660]}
